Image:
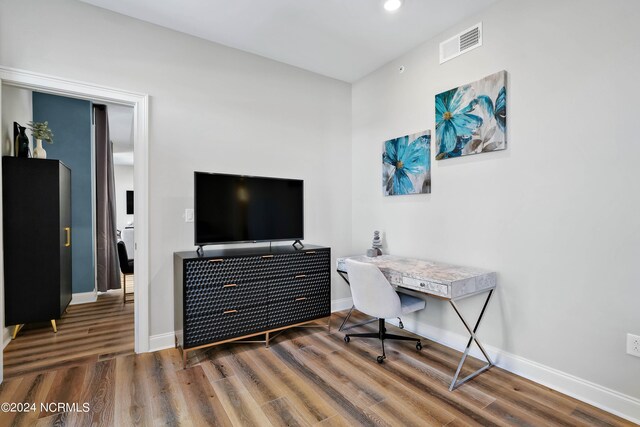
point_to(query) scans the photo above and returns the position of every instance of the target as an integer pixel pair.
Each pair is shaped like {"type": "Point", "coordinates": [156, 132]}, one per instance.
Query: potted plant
{"type": "Point", "coordinates": [40, 131]}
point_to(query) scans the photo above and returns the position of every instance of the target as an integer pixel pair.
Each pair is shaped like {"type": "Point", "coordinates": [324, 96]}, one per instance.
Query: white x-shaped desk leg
{"type": "Point", "coordinates": [472, 337]}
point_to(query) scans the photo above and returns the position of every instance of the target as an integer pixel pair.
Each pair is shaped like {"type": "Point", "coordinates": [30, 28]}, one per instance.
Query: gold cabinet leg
{"type": "Point", "coordinates": [15, 331]}
{"type": "Point", "coordinates": [53, 323]}
{"type": "Point", "coordinates": [266, 340]}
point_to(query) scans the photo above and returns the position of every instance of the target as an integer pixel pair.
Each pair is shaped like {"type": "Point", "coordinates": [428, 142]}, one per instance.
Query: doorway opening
{"type": "Point", "coordinates": [121, 135]}
{"type": "Point", "coordinates": [136, 106]}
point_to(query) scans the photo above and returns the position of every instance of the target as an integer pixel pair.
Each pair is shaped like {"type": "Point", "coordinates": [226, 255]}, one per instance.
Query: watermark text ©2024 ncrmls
{"type": "Point", "coordinates": [50, 407]}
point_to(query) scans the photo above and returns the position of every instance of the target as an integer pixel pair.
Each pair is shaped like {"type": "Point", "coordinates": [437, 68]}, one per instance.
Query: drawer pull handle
{"type": "Point", "coordinates": [310, 252]}
{"type": "Point", "coordinates": [301, 299]}
{"type": "Point", "coordinates": [229, 311]}
{"type": "Point", "coordinates": [230, 285]}
{"type": "Point", "coordinates": [267, 256]}
{"type": "Point", "coordinates": [67, 230]}
{"type": "Point", "coordinates": [300, 276]}
{"type": "Point", "coordinates": [216, 260]}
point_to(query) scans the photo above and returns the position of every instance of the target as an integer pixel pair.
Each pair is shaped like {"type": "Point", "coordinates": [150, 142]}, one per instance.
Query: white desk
{"type": "Point", "coordinates": [127, 236]}
{"type": "Point", "coordinates": [443, 281]}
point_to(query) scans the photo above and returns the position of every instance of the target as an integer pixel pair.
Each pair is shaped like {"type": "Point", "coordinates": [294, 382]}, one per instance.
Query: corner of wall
{"type": "Point", "coordinates": [617, 403]}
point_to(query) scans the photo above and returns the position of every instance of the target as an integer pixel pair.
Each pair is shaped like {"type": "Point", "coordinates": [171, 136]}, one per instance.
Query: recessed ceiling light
{"type": "Point", "coordinates": [392, 5]}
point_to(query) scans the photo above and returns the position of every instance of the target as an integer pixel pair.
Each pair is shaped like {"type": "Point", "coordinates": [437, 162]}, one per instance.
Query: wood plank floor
{"type": "Point", "coordinates": [307, 377]}
{"type": "Point", "coordinates": [87, 333]}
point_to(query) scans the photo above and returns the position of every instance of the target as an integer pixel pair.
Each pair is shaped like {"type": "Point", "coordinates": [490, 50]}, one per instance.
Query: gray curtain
{"type": "Point", "coordinates": [107, 267]}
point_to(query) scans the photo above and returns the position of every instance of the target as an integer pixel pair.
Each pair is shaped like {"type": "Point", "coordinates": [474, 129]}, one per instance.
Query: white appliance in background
{"type": "Point", "coordinates": [127, 236]}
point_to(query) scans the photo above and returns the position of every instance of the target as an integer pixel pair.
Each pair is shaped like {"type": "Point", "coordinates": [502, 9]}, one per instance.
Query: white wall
{"type": "Point", "coordinates": [556, 214]}
{"type": "Point", "coordinates": [212, 108]}
{"type": "Point", "coordinates": [124, 181]}
{"type": "Point", "coordinates": [17, 106]}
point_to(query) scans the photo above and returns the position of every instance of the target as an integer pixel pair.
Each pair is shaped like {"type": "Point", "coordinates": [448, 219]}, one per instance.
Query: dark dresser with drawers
{"type": "Point", "coordinates": [231, 294]}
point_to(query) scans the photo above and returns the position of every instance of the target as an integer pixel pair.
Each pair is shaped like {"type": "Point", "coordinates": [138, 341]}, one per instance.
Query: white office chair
{"type": "Point", "coordinates": [373, 295]}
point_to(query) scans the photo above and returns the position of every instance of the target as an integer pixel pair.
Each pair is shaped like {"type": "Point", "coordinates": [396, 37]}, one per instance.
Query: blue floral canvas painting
{"type": "Point", "coordinates": [472, 119]}
{"type": "Point", "coordinates": [406, 164]}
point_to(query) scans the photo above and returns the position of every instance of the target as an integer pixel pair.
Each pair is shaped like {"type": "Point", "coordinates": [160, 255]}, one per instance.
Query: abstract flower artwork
{"type": "Point", "coordinates": [406, 164]}
{"type": "Point", "coordinates": [472, 118]}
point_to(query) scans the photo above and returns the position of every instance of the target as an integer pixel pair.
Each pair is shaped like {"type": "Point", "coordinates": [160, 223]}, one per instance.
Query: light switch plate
{"type": "Point", "coordinates": [633, 345]}
{"type": "Point", "coordinates": [188, 215]}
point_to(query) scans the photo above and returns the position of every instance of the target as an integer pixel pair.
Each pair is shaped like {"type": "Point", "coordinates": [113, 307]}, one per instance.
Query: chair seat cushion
{"type": "Point", "coordinates": [410, 303]}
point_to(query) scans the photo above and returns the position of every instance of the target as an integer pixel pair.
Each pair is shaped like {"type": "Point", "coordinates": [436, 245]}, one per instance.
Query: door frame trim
{"type": "Point", "coordinates": [140, 103]}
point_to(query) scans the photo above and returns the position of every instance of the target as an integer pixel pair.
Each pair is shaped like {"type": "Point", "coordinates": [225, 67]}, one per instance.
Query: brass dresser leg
{"type": "Point", "coordinates": [53, 323]}
{"type": "Point", "coordinates": [15, 331]}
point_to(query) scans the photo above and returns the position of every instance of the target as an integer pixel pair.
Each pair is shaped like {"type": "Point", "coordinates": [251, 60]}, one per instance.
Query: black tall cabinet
{"type": "Point", "coordinates": [36, 202]}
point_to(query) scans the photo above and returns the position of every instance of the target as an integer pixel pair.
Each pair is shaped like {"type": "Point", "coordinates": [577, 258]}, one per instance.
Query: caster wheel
{"type": "Point", "coordinates": [401, 325]}
{"type": "Point", "coordinates": [346, 338]}
{"type": "Point", "coordinates": [418, 346]}
{"type": "Point", "coordinates": [380, 359]}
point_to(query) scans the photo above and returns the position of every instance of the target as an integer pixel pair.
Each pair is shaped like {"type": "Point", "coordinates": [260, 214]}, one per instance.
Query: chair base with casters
{"type": "Point", "coordinates": [382, 335]}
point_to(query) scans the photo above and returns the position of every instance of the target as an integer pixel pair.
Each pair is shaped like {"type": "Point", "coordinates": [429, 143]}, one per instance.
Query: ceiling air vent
{"type": "Point", "coordinates": [467, 40]}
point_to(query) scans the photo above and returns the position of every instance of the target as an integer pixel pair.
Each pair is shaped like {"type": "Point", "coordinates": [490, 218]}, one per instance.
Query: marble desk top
{"type": "Point", "coordinates": [434, 278]}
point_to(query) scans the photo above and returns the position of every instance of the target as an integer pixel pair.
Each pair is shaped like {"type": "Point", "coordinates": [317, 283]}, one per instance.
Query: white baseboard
{"type": "Point", "coordinates": [6, 337]}
{"type": "Point", "coordinates": [617, 403]}
{"type": "Point", "coordinates": [162, 341]}
{"type": "Point", "coordinates": [341, 304]}
{"type": "Point", "coordinates": [83, 297]}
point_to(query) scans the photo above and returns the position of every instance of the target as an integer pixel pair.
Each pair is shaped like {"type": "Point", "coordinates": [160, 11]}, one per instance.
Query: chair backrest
{"type": "Point", "coordinates": [127, 236]}
{"type": "Point", "coordinates": [371, 291]}
{"type": "Point", "coordinates": [122, 257]}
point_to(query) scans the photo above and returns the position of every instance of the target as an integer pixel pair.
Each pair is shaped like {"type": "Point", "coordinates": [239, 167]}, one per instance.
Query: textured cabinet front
{"type": "Point", "coordinates": [309, 262]}
{"type": "Point", "coordinates": [291, 311]}
{"type": "Point", "coordinates": [224, 324]}
{"type": "Point", "coordinates": [224, 297]}
{"type": "Point", "coordinates": [227, 270]}
{"type": "Point", "coordinates": [299, 298]}
{"type": "Point", "coordinates": [209, 298]}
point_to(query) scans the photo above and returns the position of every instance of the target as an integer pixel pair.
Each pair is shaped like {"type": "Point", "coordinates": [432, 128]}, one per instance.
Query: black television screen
{"type": "Point", "coordinates": [237, 208]}
{"type": "Point", "coordinates": [129, 202]}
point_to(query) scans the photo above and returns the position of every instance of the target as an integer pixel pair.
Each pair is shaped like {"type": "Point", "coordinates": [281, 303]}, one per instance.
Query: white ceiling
{"type": "Point", "coordinates": [344, 39]}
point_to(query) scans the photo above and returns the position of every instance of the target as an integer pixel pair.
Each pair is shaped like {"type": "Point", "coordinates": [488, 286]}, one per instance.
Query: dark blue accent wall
{"type": "Point", "coordinates": [70, 121]}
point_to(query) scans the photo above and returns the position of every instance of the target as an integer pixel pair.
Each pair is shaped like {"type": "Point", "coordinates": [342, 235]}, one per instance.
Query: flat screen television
{"type": "Point", "coordinates": [240, 209]}
{"type": "Point", "coordinates": [129, 202]}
